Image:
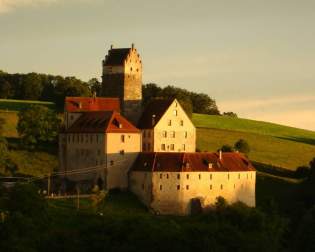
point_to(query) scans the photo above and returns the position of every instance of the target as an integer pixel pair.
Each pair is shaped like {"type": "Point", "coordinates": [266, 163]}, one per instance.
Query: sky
{"type": "Point", "coordinates": [254, 57]}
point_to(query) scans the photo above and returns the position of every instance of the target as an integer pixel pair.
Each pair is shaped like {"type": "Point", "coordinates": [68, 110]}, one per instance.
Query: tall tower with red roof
{"type": "Point", "coordinates": [122, 78]}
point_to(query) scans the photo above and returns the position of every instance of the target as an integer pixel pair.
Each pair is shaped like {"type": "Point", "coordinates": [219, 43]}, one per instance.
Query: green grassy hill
{"type": "Point", "coordinates": [17, 105]}
{"type": "Point", "coordinates": [272, 144]}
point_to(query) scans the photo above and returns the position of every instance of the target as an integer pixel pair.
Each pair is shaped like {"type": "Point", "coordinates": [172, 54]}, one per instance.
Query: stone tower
{"type": "Point", "coordinates": [122, 78]}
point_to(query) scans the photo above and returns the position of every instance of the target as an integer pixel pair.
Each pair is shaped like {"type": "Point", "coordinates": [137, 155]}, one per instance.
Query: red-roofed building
{"type": "Point", "coordinates": [75, 106]}
{"type": "Point", "coordinates": [171, 183]}
{"type": "Point", "coordinates": [99, 148]}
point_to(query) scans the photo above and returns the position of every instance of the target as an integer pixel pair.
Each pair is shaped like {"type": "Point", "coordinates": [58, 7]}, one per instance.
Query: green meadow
{"type": "Point", "coordinates": [271, 144]}
{"type": "Point", "coordinates": [18, 105]}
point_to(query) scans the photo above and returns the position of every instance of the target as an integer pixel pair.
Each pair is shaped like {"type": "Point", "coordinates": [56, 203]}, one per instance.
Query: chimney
{"type": "Point", "coordinates": [210, 165]}
{"type": "Point", "coordinates": [111, 46]}
{"type": "Point", "coordinates": [187, 165]}
{"type": "Point", "coordinates": [132, 46]}
{"type": "Point", "coordinates": [153, 120]}
{"type": "Point", "coordinates": [94, 94]}
{"type": "Point", "coordinates": [220, 155]}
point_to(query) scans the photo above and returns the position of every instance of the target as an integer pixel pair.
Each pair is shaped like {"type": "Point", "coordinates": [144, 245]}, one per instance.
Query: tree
{"type": "Point", "coordinates": [242, 146]}
{"type": "Point", "coordinates": [95, 86]}
{"type": "Point", "coordinates": [5, 88]}
{"type": "Point", "coordinates": [230, 114]}
{"type": "Point", "coordinates": [226, 148]}
{"type": "Point", "coordinates": [38, 124]}
{"type": "Point", "coordinates": [31, 87]}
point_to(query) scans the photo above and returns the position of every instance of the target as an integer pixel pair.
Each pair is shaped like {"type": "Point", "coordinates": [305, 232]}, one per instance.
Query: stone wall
{"type": "Point", "coordinates": [173, 192]}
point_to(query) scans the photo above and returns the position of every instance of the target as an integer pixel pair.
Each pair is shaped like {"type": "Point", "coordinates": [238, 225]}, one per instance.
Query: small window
{"type": "Point", "coordinates": [172, 134]}
{"type": "Point", "coordinates": [187, 187]}
{"type": "Point", "coordinates": [175, 112]}
{"type": "Point", "coordinates": [181, 123]}
{"type": "Point", "coordinates": [172, 147]}
{"type": "Point", "coordinates": [176, 104]}
{"type": "Point", "coordinates": [164, 134]}
{"type": "Point", "coordinates": [167, 176]}
{"type": "Point", "coordinates": [210, 176]}
{"type": "Point", "coordinates": [122, 138]}
{"type": "Point", "coordinates": [187, 176]}
{"type": "Point", "coordinates": [160, 187]}
{"type": "Point", "coordinates": [178, 176]}
{"type": "Point", "coordinates": [122, 152]}
{"type": "Point", "coordinates": [149, 147]}
{"type": "Point", "coordinates": [144, 134]}
{"type": "Point", "coordinates": [149, 133]}
{"type": "Point", "coordinates": [210, 187]}
{"type": "Point", "coordinates": [163, 147]}
{"type": "Point", "coordinates": [247, 175]}
{"type": "Point", "coordinates": [199, 176]}
{"type": "Point", "coordinates": [228, 176]}
{"type": "Point", "coordinates": [186, 134]}
{"type": "Point", "coordinates": [178, 187]}
{"type": "Point", "coordinates": [169, 122]}
{"type": "Point", "coordinates": [144, 146]}
{"type": "Point", "coordinates": [112, 162]}
{"type": "Point", "coordinates": [234, 186]}
{"type": "Point", "coordinates": [239, 176]}
{"type": "Point", "coordinates": [183, 147]}
{"type": "Point", "coordinates": [221, 187]}
{"type": "Point", "coordinates": [161, 175]}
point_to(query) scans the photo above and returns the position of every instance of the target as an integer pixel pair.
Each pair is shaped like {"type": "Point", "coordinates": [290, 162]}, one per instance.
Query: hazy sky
{"type": "Point", "coordinates": [255, 57]}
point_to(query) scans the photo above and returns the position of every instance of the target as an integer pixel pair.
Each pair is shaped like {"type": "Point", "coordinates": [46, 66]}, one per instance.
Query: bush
{"type": "Point", "coordinates": [242, 146]}
{"type": "Point", "coordinates": [302, 172]}
{"type": "Point", "coordinates": [226, 148]}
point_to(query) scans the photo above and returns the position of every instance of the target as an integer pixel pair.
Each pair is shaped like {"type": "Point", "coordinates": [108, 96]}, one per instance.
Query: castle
{"type": "Point", "coordinates": [114, 142]}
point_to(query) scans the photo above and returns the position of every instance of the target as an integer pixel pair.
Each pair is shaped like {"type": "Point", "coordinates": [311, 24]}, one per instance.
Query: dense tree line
{"type": "Point", "coordinates": [192, 102]}
{"type": "Point", "coordinates": [29, 224]}
{"type": "Point", "coordinates": [44, 87]}
{"type": "Point", "coordinates": [33, 86]}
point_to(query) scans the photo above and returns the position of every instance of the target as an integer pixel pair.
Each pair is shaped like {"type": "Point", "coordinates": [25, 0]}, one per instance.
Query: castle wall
{"type": "Point", "coordinates": [120, 156]}
{"type": "Point", "coordinates": [81, 151]}
{"type": "Point", "coordinates": [173, 195]}
{"type": "Point", "coordinates": [175, 121]}
{"type": "Point", "coordinates": [140, 183]}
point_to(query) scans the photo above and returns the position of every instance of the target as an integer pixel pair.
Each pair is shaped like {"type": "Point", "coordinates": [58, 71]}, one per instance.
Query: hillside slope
{"type": "Point", "coordinates": [273, 144]}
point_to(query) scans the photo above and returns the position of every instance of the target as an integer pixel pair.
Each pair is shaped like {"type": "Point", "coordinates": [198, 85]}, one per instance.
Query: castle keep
{"type": "Point", "coordinates": [122, 78]}
{"type": "Point", "coordinates": [113, 142]}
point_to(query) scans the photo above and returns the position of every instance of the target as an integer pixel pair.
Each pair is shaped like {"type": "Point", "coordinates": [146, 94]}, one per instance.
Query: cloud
{"type": "Point", "coordinates": [9, 5]}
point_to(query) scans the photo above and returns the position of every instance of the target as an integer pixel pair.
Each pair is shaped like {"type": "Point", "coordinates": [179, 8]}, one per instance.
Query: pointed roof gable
{"type": "Point", "coordinates": [191, 162]}
{"type": "Point", "coordinates": [102, 122]}
{"type": "Point", "coordinates": [81, 104]}
{"type": "Point", "coordinates": [157, 108]}
{"type": "Point", "coordinates": [116, 57]}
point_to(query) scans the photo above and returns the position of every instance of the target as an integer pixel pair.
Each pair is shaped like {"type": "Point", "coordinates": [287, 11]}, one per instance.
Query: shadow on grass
{"type": "Point", "coordinates": [305, 140]}
{"type": "Point", "coordinates": [274, 170]}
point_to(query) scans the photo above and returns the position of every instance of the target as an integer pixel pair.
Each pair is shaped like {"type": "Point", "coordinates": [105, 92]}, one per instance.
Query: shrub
{"type": "Point", "coordinates": [242, 146]}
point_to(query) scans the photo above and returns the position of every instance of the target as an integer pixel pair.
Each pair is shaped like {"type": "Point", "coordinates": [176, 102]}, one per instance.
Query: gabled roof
{"type": "Point", "coordinates": [191, 162]}
{"type": "Point", "coordinates": [102, 122]}
{"type": "Point", "coordinates": [155, 107]}
{"type": "Point", "coordinates": [116, 57]}
{"type": "Point", "coordinates": [78, 104]}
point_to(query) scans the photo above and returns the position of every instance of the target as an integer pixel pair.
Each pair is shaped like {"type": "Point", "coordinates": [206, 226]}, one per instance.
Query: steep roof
{"type": "Point", "coordinates": [155, 107]}
{"type": "Point", "coordinates": [78, 104]}
{"type": "Point", "coordinates": [102, 122]}
{"type": "Point", "coordinates": [191, 162]}
{"type": "Point", "coordinates": [116, 57]}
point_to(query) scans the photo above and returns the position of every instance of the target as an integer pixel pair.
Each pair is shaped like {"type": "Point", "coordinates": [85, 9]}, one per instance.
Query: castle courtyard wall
{"type": "Point", "coordinates": [171, 194]}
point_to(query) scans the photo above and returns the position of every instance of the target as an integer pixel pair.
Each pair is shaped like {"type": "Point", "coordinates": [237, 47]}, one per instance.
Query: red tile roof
{"type": "Point", "coordinates": [155, 107]}
{"type": "Point", "coordinates": [78, 104]}
{"type": "Point", "coordinates": [102, 122]}
{"type": "Point", "coordinates": [191, 162]}
{"type": "Point", "coordinates": [116, 57]}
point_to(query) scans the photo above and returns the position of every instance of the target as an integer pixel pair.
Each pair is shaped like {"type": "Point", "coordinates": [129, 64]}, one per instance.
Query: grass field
{"type": "Point", "coordinates": [273, 144]}
{"type": "Point", "coordinates": [18, 105]}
